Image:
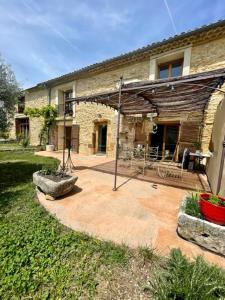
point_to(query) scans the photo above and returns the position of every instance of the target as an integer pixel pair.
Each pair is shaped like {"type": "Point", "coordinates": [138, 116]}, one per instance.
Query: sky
{"type": "Point", "coordinates": [43, 39]}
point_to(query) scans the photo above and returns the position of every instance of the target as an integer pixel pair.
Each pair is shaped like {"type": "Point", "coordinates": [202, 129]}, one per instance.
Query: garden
{"type": "Point", "coordinates": [42, 259]}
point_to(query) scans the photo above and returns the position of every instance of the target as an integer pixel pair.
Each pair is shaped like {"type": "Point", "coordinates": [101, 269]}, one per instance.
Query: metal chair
{"type": "Point", "coordinates": [172, 169]}
{"type": "Point", "coordinates": [137, 155]}
{"type": "Point", "coordinates": [151, 157]}
{"type": "Point", "coordinates": [124, 156]}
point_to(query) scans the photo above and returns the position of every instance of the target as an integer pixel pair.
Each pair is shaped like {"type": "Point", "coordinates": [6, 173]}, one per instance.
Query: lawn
{"type": "Point", "coordinates": [42, 259]}
{"type": "Point", "coordinates": [15, 147]}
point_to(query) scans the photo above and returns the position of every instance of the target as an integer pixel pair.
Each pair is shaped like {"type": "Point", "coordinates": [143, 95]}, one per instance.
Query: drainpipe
{"type": "Point", "coordinates": [49, 95]}
{"type": "Point", "coordinates": [221, 168]}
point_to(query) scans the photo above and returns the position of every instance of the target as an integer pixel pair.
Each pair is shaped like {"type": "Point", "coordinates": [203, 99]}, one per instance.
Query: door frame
{"type": "Point", "coordinates": [96, 126]}
{"type": "Point", "coordinates": [166, 124]}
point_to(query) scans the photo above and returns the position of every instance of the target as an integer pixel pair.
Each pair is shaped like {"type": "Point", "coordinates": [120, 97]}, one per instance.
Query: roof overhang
{"type": "Point", "coordinates": [176, 95]}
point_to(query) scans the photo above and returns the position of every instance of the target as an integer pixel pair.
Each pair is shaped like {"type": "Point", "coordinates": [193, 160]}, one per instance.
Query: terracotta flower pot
{"type": "Point", "coordinates": [211, 212]}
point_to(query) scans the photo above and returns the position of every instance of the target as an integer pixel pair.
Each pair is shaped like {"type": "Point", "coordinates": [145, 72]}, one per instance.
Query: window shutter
{"type": "Point", "coordinates": [189, 134]}
{"type": "Point", "coordinates": [75, 138]}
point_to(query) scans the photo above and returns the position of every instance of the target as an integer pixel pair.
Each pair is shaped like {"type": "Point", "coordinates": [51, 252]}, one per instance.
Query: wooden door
{"type": "Point", "coordinates": [75, 138]}
{"type": "Point", "coordinates": [68, 136]}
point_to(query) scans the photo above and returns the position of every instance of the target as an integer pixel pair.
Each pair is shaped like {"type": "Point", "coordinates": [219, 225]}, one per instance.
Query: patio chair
{"type": "Point", "coordinates": [137, 156]}
{"type": "Point", "coordinates": [124, 156]}
{"type": "Point", "coordinates": [151, 157]}
{"type": "Point", "coordinates": [172, 169]}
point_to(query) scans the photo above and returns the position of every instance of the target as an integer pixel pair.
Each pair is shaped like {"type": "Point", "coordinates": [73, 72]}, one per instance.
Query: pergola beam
{"type": "Point", "coordinates": [189, 93]}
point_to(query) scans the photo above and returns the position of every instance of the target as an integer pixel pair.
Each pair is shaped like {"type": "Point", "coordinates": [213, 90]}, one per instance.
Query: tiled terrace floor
{"type": "Point", "coordinates": [138, 213]}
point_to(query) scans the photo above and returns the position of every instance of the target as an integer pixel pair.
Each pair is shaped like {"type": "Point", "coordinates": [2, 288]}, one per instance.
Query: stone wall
{"type": "Point", "coordinates": [208, 56]}
{"type": "Point", "coordinates": [36, 99]}
{"type": "Point", "coordinates": [108, 80]}
{"type": "Point", "coordinates": [204, 56]}
{"type": "Point", "coordinates": [88, 116]}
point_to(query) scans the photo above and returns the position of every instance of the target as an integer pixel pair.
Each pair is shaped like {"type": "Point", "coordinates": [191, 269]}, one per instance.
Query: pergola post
{"type": "Point", "coordinates": [117, 134]}
{"type": "Point", "coordinates": [64, 134]}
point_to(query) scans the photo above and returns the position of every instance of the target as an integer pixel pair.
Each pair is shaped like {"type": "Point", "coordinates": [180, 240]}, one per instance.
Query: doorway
{"type": "Point", "coordinates": [102, 138]}
{"type": "Point", "coordinates": [68, 136]}
{"type": "Point", "coordinates": [166, 138]}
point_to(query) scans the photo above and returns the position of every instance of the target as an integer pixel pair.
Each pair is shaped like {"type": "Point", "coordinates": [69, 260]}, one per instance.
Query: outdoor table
{"type": "Point", "coordinates": [199, 156]}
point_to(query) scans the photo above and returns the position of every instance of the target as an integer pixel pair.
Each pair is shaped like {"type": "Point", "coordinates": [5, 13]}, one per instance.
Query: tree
{"type": "Point", "coordinates": [9, 94]}
{"type": "Point", "coordinates": [48, 113]}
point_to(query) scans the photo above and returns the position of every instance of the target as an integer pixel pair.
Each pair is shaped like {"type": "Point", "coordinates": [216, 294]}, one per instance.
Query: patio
{"type": "Point", "coordinates": [139, 213]}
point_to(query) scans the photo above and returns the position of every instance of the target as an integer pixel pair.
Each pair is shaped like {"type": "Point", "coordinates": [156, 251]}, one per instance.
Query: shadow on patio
{"type": "Point", "coordinates": [191, 180]}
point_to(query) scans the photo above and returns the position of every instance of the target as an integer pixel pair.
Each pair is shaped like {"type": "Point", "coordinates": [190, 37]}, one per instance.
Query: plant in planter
{"type": "Point", "coordinates": [54, 183]}
{"type": "Point", "coordinates": [48, 113]}
{"type": "Point", "coordinates": [212, 208]}
{"type": "Point", "coordinates": [197, 146]}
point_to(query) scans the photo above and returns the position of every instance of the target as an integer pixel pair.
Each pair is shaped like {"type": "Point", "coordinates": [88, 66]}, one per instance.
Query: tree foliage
{"type": "Point", "coordinates": [48, 113]}
{"type": "Point", "coordinates": [9, 94]}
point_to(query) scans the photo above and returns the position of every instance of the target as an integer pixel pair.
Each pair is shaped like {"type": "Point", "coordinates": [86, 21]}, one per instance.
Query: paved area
{"type": "Point", "coordinates": [137, 214]}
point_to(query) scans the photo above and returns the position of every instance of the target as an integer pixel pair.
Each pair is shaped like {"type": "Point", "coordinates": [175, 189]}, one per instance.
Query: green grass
{"type": "Point", "coordinates": [39, 257]}
{"type": "Point", "coordinates": [13, 146]}
{"type": "Point", "coordinates": [42, 259]}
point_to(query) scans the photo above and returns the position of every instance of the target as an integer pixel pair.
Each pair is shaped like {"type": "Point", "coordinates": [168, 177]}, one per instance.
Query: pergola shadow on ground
{"type": "Point", "coordinates": [191, 180]}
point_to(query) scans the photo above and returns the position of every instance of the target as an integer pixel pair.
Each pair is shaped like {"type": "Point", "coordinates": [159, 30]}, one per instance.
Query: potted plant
{"type": "Point", "coordinates": [212, 207]}
{"type": "Point", "coordinates": [197, 146]}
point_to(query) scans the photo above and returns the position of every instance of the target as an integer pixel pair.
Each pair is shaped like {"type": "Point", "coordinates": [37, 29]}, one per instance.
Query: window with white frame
{"type": "Point", "coordinates": [170, 64]}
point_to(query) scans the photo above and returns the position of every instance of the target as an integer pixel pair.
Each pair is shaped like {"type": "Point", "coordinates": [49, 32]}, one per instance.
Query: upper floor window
{"type": "Point", "coordinates": [68, 94]}
{"type": "Point", "coordinates": [170, 69]}
{"type": "Point", "coordinates": [21, 105]}
{"type": "Point", "coordinates": [68, 105]}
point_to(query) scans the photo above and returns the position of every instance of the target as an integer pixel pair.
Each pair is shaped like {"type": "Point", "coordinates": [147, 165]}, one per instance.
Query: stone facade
{"type": "Point", "coordinates": [206, 53]}
{"type": "Point", "coordinates": [37, 99]}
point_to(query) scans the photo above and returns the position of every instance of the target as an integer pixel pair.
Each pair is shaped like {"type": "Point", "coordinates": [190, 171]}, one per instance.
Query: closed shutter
{"type": "Point", "coordinates": [189, 134]}
{"type": "Point", "coordinates": [75, 138]}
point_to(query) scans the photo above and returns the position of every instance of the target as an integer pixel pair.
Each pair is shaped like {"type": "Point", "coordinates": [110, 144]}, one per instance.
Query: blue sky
{"type": "Point", "coordinates": [42, 39]}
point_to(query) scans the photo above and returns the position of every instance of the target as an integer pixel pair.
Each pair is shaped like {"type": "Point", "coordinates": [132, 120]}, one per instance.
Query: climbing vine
{"type": "Point", "coordinates": [48, 113]}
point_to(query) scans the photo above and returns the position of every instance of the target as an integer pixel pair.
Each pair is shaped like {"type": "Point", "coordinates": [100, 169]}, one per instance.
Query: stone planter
{"type": "Point", "coordinates": [50, 148]}
{"type": "Point", "coordinates": [53, 186]}
{"type": "Point", "coordinates": [201, 232]}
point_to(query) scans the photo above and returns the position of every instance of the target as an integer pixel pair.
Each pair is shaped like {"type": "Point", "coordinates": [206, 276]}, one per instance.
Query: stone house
{"type": "Point", "coordinates": [91, 128]}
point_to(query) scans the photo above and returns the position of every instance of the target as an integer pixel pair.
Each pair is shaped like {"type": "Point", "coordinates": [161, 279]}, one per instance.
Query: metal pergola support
{"type": "Point", "coordinates": [176, 95]}
{"type": "Point", "coordinates": [117, 134]}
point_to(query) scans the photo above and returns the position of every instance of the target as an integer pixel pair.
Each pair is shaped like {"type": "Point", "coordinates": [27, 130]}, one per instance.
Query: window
{"type": "Point", "coordinates": [21, 105]}
{"type": "Point", "coordinates": [68, 94]}
{"type": "Point", "coordinates": [68, 105]}
{"type": "Point", "coordinates": [171, 69]}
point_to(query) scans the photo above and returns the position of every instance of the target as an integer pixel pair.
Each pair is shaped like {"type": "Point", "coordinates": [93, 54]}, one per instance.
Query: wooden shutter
{"type": "Point", "coordinates": [75, 138]}
{"type": "Point", "coordinates": [189, 134]}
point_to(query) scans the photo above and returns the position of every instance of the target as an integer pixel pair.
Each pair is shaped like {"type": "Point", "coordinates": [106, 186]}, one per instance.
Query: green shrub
{"type": "Point", "coordinates": [214, 199]}
{"type": "Point", "coordinates": [25, 142]}
{"type": "Point", "coordinates": [192, 206]}
{"type": "Point", "coordinates": [181, 279]}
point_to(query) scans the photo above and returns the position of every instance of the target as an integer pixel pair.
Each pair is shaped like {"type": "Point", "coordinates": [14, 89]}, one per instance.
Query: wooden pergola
{"type": "Point", "coordinates": [172, 96]}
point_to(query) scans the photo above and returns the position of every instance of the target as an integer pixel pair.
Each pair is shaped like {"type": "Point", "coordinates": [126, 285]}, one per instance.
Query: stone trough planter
{"type": "Point", "coordinates": [54, 186]}
{"type": "Point", "coordinates": [201, 232]}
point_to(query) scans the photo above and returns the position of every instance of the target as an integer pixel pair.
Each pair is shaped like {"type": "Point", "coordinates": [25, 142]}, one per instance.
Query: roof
{"type": "Point", "coordinates": [184, 94]}
{"type": "Point", "coordinates": [130, 56]}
